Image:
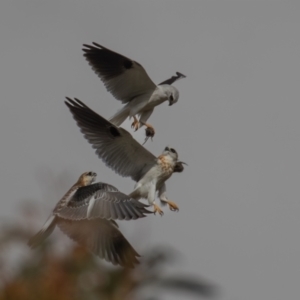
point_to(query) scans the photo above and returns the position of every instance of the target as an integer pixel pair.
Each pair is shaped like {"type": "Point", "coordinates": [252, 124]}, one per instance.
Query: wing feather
{"type": "Point", "coordinates": [122, 76]}
{"type": "Point", "coordinates": [101, 200]}
{"type": "Point", "coordinates": [102, 238]}
{"type": "Point", "coordinates": [114, 145]}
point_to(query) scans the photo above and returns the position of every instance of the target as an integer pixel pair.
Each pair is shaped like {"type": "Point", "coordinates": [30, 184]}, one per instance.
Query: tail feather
{"type": "Point", "coordinates": [40, 237]}
{"type": "Point", "coordinates": [120, 116]}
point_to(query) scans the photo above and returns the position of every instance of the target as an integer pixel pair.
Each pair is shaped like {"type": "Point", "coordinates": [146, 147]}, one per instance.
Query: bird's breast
{"type": "Point", "coordinates": [156, 98]}
{"type": "Point", "coordinates": [166, 166]}
{"type": "Point", "coordinates": [160, 172]}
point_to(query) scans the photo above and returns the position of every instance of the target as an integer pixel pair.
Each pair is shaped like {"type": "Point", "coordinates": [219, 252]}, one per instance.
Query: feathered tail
{"type": "Point", "coordinates": [120, 116]}
{"type": "Point", "coordinates": [47, 229]}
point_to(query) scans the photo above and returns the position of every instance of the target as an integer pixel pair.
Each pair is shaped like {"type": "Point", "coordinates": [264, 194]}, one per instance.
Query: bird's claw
{"type": "Point", "coordinates": [157, 209]}
{"type": "Point", "coordinates": [135, 125]}
{"type": "Point", "coordinates": [173, 206]}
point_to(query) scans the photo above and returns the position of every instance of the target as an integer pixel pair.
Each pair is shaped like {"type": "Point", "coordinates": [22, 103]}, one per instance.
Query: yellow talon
{"type": "Point", "coordinates": [135, 124]}
{"type": "Point", "coordinates": [157, 209]}
{"type": "Point", "coordinates": [173, 206]}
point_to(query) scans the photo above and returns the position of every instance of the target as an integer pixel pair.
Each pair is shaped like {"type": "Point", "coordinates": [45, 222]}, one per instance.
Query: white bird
{"type": "Point", "coordinates": [128, 81]}
{"type": "Point", "coordinates": [86, 214]}
{"type": "Point", "coordinates": [122, 153]}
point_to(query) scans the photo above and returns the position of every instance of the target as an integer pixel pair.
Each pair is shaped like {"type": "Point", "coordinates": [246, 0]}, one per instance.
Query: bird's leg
{"type": "Point", "coordinates": [164, 200]}
{"type": "Point", "coordinates": [172, 205]}
{"type": "Point", "coordinates": [151, 197]}
{"type": "Point", "coordinates": [144, 116]}
{"type": "Point", "coordinates": [135, 124]}
{"type": "Point", "coordinates": [157, 209]}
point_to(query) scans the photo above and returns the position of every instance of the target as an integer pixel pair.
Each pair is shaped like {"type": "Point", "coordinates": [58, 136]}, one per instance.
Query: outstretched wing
{"type": "Point", "coordinates": [122, 76]}
{"type": "Point", "coordinates": [101, 200]}
{"type": "Point", "coordinates": [173, 79]}
{"type": "Point", "coordinates": [114, 145]}
{"type": "Point", "coordinates": [102, 238]}
{"type": "Point", "coordinates": [42, 235]}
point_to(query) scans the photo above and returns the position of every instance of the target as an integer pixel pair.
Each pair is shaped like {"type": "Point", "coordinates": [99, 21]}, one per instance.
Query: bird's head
{"type": "Point", "coordinates": [87, 178]}
{"type": "Point", "coordinates": [171, 152]}
{"type": "Point", "coordinates": [173, 95]}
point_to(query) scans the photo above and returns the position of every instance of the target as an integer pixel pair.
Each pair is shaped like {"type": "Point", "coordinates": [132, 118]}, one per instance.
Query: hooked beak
{"type": "Point", "coordinates": [171, 102]}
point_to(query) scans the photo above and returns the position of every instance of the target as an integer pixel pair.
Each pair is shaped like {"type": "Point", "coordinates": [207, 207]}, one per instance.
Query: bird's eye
{"type": "Point", "coordinates": [172, 150]}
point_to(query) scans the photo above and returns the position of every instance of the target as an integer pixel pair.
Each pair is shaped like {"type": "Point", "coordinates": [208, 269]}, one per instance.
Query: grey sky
{"type": "Point", "coordinates": [236, 124]}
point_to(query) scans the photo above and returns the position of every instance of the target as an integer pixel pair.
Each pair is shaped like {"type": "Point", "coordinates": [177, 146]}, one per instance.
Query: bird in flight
{"type": "Point", "coordinates": [87, 214]}
{"type": "Point", "coordinates": [128, 82]}
{"type": "Point", "coordinates": [122, 153]}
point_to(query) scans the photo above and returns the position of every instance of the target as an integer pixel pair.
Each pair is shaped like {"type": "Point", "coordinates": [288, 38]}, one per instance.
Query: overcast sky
{"type": "Point", "coordinates": [236, 124]}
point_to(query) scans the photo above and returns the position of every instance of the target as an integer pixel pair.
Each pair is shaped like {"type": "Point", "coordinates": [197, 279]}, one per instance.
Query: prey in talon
{"type": "Point", "coordinates": [129, 83]}
{"type": "Point", "coordinates": [150, 132]}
